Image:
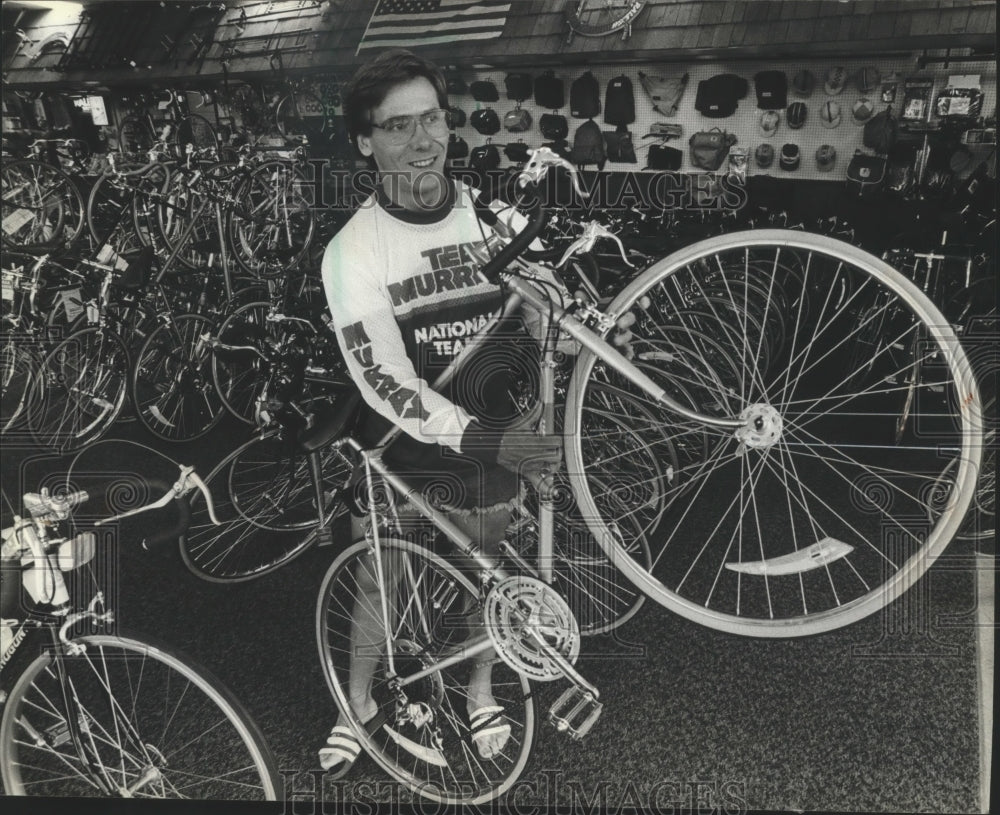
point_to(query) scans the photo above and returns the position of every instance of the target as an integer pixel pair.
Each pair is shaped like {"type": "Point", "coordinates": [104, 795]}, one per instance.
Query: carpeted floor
{"type": "Point", "coordinates": [879, 717]}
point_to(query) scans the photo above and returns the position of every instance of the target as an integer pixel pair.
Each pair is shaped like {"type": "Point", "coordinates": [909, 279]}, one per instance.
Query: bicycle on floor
{"type": "Point", "coordinates": [98, 712]}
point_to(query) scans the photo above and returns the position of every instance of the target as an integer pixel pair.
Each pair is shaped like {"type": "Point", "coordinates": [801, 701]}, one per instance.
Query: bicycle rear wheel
{"type": "Point", "coordinates": [79, 390]}
{"type": "Point", "coordinates": [429, 602]}
{"type": "Point", "coordinates": [152, 726]}
{"type": "Point", "coordinates": [265, 499]}
{"type": "Point", "coordinates": [819, 511]}
{"type": "Point", "coordinates": [172, 388]}
{"type": "Point", "coordinates": [42, 210]}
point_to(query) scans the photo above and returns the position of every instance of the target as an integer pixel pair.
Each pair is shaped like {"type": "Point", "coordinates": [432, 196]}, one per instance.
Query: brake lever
{"type": "Point", "coordinates": [542, 158]}
{"type": "Point", "coordinates": [187, 481]}
{"type": "Point", "coordinates": [591, 232]}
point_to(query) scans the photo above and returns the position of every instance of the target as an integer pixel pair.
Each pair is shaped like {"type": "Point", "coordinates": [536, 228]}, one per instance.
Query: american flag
{"type": "Point", "coordinates": [409, 23]}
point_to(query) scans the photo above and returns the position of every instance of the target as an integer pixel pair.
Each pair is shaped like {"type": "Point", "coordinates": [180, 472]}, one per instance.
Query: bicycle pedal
{"type": "Point", "coordinates": [324, 537]}
{"type": "Point", "coordinates": [575, 712]}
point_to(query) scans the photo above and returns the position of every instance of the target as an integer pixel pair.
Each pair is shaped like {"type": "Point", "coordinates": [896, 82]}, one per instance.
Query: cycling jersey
{"type": "Point", "coordinates": [405, 296]}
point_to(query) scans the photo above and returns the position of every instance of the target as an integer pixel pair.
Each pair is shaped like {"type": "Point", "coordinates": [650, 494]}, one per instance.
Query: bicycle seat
{"type": "Point", "coordinates": [137, 272]}
{"type": "Point", "coordinates": [330, 422]}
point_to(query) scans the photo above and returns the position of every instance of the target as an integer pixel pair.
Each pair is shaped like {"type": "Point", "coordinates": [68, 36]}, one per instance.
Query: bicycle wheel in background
{"type": "Point", "coordinates": [265, 498]}
{"type": "Point", "coordinates": [301, 114]}
{"type": "Point", "coordinates": [152, 725]}
{"type": "Point", "coordinates": [271, 228]}
{"type": "Point", "coordinates": [79, 391]}
{"type": "Point", "coordinates": [135, 135]}
{"type": "Point", "coordinates": [196, 130]}
{"type": "Point", "coordinates": [814, 514]}
{"type": "Point", "coordinates": [172, 389]}
{"type": "Point", "coordinates": [43, 209]}
{"type": "Point", "coordinates": [425, 743]}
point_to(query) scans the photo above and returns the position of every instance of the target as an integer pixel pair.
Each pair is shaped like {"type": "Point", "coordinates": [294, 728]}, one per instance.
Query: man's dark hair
{"type": "Point", "coordinates": [372, 82]}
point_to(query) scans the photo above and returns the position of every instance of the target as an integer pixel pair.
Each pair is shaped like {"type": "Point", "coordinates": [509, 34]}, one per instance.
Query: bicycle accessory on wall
{"type": "Point", "coordinates": [618, 146]}
{"type": "Point", "coordinates": [862, 110]}
{"type": "Point", "coordinates": [764, 156]}
{"type": "Point", "coordinates": [588, 145]}
{"type": "Point", "coordinates": [868, 80]}
{"type": "Point", "coordinates": [517, 151]}
{"type": "Point", "coordinates": [663, 157]}
{"type": "Point", "coordinates": [836, 78]}
{"type": "Point", "coordinates": [768, 122]}
{"type": "Point", "coordinates": [664, 92]}
{"type": "Point", "coordinates": [789, 158]}
{"type": "Point", "coordinates": [619, 102]}
{"type": "Point", "coordinates": [485, 157]}
{"type": "Point", "coordinates": [959, 103]}
{"type": "Point", "coordinates": [881, 131]}
{"type": "Point", "coordinates": [518, 86]}
{"type": "Point", "coordinates": [485, 121]}
{"type": "Point", "coordinates": [829, 114]}
{"type": "Point", "coordinates": [719, 96]}
{"type": "Point", "coordinates": [803, 84]}
{"type": "Point", "coordinates": [865, 174]}
{"type": "Point", "coordinates": [665, 131]}
{"type": "Point", "coordinates": [456, 118]}
{"type": "Point", "coordinates": [796, 115]}
{"type": "Point", "coordinates": [550, 92]}
{"type": "Point", "coordinates": [517, 120]}
{"type": "Point", "coordinates": [826, 157]}
{"type": "Point", "coordinates": [585, 97]}
{"type": "Point", "coordinates": [484, 91]}
{"type": "Point", "coordinates": [772, 89]}
{"type": "Point", "coordinates": [457, 147]}
{"type": "Point", "coordinates": [710, 147]}
{"type": "Point", "coordinates": [553, 126]}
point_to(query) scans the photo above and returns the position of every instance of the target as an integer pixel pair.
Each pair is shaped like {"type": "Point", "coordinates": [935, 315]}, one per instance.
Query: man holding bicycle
{"type": "Point", "coordinates": [404, 291]}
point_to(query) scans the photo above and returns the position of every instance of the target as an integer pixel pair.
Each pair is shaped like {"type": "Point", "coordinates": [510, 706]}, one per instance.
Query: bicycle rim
{"type": "Point", "coordinates": [79, 390]}
{"type": "Point", "coordinates": [276, 520]}
{"type": "Point", "coordinates": [819, 517]}
{"type": "Point", "coordinates": [429, 604]}
{"type": "Point", "coordinates": [152, 726]}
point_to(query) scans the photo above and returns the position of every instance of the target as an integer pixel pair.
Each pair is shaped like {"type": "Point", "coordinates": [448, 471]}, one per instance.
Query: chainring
{"type": "Point", "coordinates": [514, 608]}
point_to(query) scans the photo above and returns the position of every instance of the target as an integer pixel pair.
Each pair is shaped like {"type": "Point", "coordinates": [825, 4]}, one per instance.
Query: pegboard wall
{"type": "Point", "coordinates": [744, 122]}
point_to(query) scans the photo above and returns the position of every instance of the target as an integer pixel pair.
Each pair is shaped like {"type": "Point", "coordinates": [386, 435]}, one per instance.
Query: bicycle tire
{"type": "Point", "coordinates": [79, 390]}
{"type": "Point", "coordinates": [271, 230]}
{"type": "Point", "coordinates": [189, 723]}
{"type": "Point", "coordinates": [18, 367]}
{"type": "Point", "coordinates": [260, 534]}
{"type": "Point", "coordinates": [42, 210]}
{"type": "Point", "coordinates": [834, 481]}
{"type": "Point", "coordinates": [194, 129]}
{"type": "Point", "coordinates": [172, 389]}
{"type": "Point", "coordinates": [135, 134]}
{"type": "Point", "coordinates": [436, 599]}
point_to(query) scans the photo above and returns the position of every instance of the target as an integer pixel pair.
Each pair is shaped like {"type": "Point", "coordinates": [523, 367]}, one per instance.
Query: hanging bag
{"type": "Point", "coordinates": [865, 173]}
{"type": "Point", "coordinates": [709, 148]}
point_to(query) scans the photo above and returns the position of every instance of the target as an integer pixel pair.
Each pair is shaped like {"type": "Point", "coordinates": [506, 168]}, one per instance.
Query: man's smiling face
{"type": "Point", "coordinates": [414, 171]}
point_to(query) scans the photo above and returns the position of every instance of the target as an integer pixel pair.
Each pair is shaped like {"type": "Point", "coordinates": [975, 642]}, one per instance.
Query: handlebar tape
{"type": "Point", "coordinates": [518, 247]}
{"type": "Point", "coordinates": [172, 533]}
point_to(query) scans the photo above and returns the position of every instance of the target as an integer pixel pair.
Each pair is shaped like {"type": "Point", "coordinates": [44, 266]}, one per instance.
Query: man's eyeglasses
{"type": "Point", "coordinates": [400, 129]}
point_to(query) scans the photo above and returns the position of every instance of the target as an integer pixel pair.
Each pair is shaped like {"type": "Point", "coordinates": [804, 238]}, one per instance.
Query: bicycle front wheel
{"type": "Point", "coordinates": [825, 503]}
{"type": "Point", "coordinates": [425, 740]}
{"type": "Point", "coordinates": [151, 725]}
{"type": "Point", "coordinates": [266, 502]}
